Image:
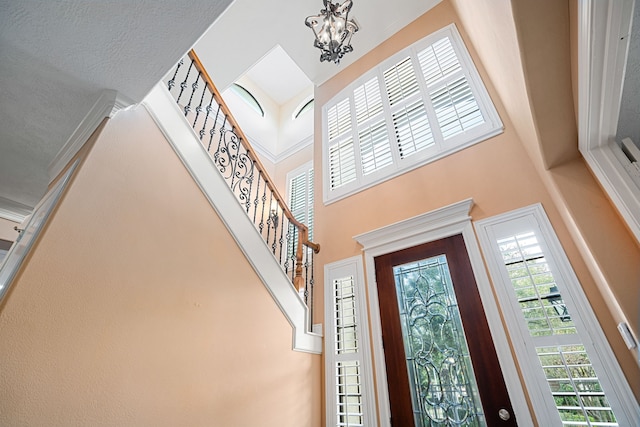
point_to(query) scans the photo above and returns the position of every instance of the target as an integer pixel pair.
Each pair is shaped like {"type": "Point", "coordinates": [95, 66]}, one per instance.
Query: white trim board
{"type": "Point", "coordinates": [603, 29]}
{"type": "Point", "coordinates": [187, 146]}
{"type": "Point", "coordinates": [438, 224]}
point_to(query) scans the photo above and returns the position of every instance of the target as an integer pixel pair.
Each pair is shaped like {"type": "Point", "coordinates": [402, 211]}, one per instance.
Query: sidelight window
{"type": "Point", "coordinates": [572, 375]}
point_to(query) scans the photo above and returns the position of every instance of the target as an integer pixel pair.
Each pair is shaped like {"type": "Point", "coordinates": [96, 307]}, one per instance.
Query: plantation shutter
{"type": "Point", "coordinates": [301, 203]}
{"type": "Point", "coordinates": [424, 103]}
{"type": "Point", "coordinates": [575, 385]}
{"type": "Point", "coordinates": [409, 115]}
{"type": "Point", "coordinates": [342, 160]}
{"type": "Point", "coordinates": [347, 358]}
{"type": "Point", "coordinates": [373, 138]}
{"type": "Point", "coordinates": [449, 90]}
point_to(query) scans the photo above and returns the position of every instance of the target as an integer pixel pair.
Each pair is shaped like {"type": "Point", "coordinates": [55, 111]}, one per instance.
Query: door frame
{"type": "Point", "coordinates": [428, 227]}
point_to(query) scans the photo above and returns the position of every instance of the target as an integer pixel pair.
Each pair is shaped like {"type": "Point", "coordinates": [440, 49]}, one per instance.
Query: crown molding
{"type": "Point", "coordinates": [13, 211]}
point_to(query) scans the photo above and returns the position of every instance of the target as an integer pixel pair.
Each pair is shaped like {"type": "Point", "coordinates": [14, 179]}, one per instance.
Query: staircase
{"type": "Point", "coordinates": [198, 124]}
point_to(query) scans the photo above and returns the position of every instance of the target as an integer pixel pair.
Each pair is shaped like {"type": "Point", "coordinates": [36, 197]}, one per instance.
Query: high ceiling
{"type": "Point", "coordinates": [56, 58]}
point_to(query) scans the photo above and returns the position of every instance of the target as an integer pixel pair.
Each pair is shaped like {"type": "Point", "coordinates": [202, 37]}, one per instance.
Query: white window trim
{"type": "Point", "coordinates": [473, 136]}
{"type": "Point", "coordinates": [603, 29]}
{"type": "Point", "coordinates": [438, 224]}
{"type": "Point", "coordinates": [577, 303]}
{"type": "Point", "coordinates": [348, 267]}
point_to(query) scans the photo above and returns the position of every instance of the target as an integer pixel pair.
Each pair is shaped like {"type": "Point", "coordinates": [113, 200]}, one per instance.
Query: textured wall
{"type": "Point", "coordinates": [137, 308]}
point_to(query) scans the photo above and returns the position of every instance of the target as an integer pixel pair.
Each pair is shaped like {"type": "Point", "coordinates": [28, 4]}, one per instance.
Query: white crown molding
{"type": "Point", "coordinates": [164, 111]}
{"type": "Point", "coordinates": [107, 105]}
{"type": "Point", "coordinates": [265, 153]}
{"type": "Point", "coordinates": [307, 141]}
{"type": "Point", "coordinates": [13, 211]}
{"type": "Point", "coordinates": [428, 227]}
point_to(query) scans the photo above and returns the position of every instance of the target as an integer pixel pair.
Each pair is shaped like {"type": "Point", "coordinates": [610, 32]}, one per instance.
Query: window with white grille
{"type": "Point", "coordinates": [347, 351]}
{"type": "Point", "coordinates": [571, 373]}
{"type": "Point", "coordinates": [423, 103]}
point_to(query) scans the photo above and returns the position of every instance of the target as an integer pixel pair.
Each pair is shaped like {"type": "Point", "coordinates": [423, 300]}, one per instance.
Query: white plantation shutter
{"type": "Point", "coordinates": [373, 137]}
{"type": "Point", "coordinates": [339, 119]}
{"type": "Point", "coordinates": [449, 91]}
{"type": "Point", "coordinates": [401, 82]}
{"type": "Point", "coordinates": [422, 104]}
{"type": "Point", "coordinates": [300, 199]}
{"type": "Point", "coordinates": [347, 351]}
{"type": "Point", "coordinates": [567, 365]}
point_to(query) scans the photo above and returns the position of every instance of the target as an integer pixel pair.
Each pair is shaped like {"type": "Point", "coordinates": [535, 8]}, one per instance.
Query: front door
{"type": "Point", "coordinates": [442, 368]}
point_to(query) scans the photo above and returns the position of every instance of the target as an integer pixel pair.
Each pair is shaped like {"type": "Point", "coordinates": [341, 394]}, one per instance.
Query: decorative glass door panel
{"type": "Point", "coordinates": [443, 386]}
{"type": "Point", "coordinates": [442, 369]}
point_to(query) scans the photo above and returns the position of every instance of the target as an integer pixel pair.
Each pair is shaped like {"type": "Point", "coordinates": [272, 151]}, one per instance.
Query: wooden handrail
{"type": "Point", "coordinates": [303, 236]}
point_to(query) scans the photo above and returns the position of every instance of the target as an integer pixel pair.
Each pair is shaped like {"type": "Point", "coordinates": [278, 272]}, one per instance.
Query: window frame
{"type": "Point", "coordinates": [491, 127]}
{"type": "Point", "coordinates": [354, 268]}
{"type": "Point", "coordinates": [588, 329]}
{"type": "Point", "coordinates": [602, 54]}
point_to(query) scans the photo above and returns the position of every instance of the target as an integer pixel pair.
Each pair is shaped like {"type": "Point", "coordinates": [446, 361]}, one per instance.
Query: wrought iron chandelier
{"type": "Point", "coordinates": [333, 30]}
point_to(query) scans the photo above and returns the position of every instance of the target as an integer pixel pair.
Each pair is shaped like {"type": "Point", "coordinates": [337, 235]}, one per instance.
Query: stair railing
{"type": "Point", "coordinates": [229, 148]}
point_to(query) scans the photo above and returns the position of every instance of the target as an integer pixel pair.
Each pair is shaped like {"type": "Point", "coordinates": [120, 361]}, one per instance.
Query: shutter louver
{"type": "Point", "coordinates": [339, 119]}
{"type": "Point", "coordinates": [412, 129]}
{"type": "Point", "coordinates": [456, 108]}
{"type": "Point", "coordinates": [368, 100]}
{"type": "Point", "coordinates": [438, 60]}
{"type": "Point", "coordinates": [401, 81]}
{"type": "Point", "coordinates": [375, 150]}
{"type": "Point", "coordinates": [342, 163]}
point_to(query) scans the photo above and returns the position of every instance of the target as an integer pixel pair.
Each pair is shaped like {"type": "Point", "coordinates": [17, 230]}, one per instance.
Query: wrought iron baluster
{"type": "Point", "coordinates": [264, 201]}
{"type": "Point", "coordinates": [270, 219]}
{"type": "Point", "coordinates": [216, 155]}
{"type": "Point", "coordinates": [281, 240]}
{"type": "Point", "coordinates": [255, 201]}
{"type": "Point", "coordinates": [172, 82]}
{"type": "Point", "coordinates": [212, 131]}
{"type": "Point", "coordinates": [194, 86]}
{"type": "Point", "coordinates": [183, 84]}
{"type": "Point", "coordinates": [199, 107]}
{"type": "Point", "coordinates": [234, 158]}
{"type": "Point", "coordinates": [206, 117]}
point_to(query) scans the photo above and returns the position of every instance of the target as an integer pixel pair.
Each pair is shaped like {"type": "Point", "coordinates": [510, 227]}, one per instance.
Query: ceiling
{"type": "Point", "coordinates": [56, 58]}
{"type": "Point", "coordinates": [250, 29]}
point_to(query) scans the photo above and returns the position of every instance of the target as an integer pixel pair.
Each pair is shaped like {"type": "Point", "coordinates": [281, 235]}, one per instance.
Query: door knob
{"type": "Point", "coordinates": [504, 414]}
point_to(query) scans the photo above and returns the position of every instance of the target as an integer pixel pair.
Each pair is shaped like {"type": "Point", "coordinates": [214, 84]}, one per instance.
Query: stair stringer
{"type": "Point", "coordinates": [167, 115]}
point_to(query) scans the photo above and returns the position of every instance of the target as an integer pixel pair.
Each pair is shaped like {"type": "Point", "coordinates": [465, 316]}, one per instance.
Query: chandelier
{"type": "Point", "coordinates": [333, 30]}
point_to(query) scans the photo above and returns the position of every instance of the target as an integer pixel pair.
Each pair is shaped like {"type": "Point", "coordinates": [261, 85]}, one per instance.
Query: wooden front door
{"type": "Point", "coordinates": [442, 367]}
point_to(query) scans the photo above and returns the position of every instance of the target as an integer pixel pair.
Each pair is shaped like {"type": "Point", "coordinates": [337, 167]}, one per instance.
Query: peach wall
{"type": "Point", "coordinates": [500, 174]}
{"type": "Point", "coordinates": [137, 308]}
{"type": "Point", "coordinates": [527, 68]}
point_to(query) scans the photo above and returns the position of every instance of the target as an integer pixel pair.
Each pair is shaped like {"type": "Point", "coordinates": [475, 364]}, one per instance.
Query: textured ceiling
{"type": "Point", "coordinates": [56, 57]}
